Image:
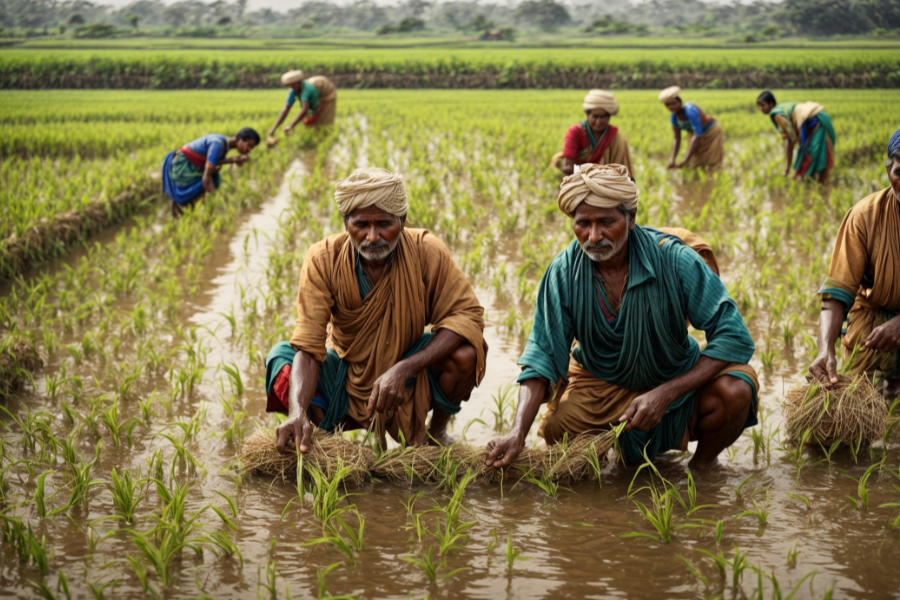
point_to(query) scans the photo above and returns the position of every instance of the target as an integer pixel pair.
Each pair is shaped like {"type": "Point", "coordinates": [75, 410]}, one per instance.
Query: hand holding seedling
{"type": "Point", "coordinates": [294, 428]}
{"type": "Point", "coordinates": [824, 368]}
{"type": "Point", "coordinates": [647, 410]}
{"type": "Point", "coordinates": [388, 390]}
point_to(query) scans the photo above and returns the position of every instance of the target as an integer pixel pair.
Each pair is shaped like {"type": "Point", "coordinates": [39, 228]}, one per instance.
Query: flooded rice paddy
{"type": "Point", "coordinates": [183, 357]}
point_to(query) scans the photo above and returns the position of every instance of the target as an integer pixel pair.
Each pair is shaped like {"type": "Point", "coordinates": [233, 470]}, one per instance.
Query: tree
{"type": "Point", "coordinates": [826, 17]}
{"type": "Point", "coordinates": [883, 13]}
{"type": "Point", "coordinates": [478, 23]}
{"type": "Point", "coordinates": [545, 14]}
{"type": "Point", "coordinates": [133, 20]}
{"type": "Point", "coordinates": [224, 21]}
{"type": "Point", "coordinates": [76, 19]}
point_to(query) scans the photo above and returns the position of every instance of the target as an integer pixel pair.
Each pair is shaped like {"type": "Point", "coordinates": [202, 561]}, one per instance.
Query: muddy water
{"type": "Point", "coordinates": [571, 546]}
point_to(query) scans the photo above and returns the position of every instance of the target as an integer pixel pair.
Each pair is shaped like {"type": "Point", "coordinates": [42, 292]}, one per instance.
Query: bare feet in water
{"type": "Point", "coordinates": [441, 438]}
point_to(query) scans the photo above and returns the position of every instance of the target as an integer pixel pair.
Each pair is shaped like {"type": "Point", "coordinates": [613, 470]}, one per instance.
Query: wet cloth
{"type": "Point", "coordinates": [807, 125]}
{"type": "Point", "coordinates": [421, 286]}
{"type": "Point", "coordinates": [865, 276]}
{"type": "Point", "coordinates": [182, 179]}
{"type": "Point", "coordinates": [646, 346]}
{"type": "Point", "coordinates": [581, 147]}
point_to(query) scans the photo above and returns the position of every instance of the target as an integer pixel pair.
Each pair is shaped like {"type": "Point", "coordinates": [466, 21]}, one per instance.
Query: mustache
{"type": "Point", "coordinates": [604, 245]}
{"type": "Point", "coordinates": [374, 246]}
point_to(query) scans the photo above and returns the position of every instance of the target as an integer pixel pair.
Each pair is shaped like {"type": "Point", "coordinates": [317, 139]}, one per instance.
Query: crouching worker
{"type": "Point", "coordinates": [864, 286]}
{"type": "Point", "coordinates": [625, 293]}
{"type": "Point", "coordinates": [377, 286]}
{"type": "Point", "coordinates": [193, 170]}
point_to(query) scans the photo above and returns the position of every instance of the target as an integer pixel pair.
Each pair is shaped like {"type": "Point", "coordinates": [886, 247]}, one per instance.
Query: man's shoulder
{"type": "Point", "coordinates": [869, 209]}
{"type": "Point", "coordinates": [327, 248]}
{"type": "Point", "coordinates": [427, 242]}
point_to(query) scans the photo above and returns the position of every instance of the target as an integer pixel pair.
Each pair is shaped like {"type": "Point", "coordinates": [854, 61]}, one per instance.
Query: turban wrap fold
{"type": "Point", "coordinates": [601, 99]}
{"type": "Point", "coordinates": [292, 77]}
{"type": "Point", "coordinates": [371, 186]}
{"type": "Point", "coordinates": [893, 144]}
{"type": "Point", "coordinates": [603, 186]}
{"type": "Point", "coordinates": [669, 94]}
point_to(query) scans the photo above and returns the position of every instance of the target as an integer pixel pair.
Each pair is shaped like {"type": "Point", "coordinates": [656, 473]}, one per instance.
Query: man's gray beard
{"type": "Point", "coordinates": [375, 255]}
{"type": "Point", "coordinates": [604, 254]}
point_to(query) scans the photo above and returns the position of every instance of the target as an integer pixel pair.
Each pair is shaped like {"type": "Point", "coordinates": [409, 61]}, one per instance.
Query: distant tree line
{"type": "Point", "coordinates": [83, 18]}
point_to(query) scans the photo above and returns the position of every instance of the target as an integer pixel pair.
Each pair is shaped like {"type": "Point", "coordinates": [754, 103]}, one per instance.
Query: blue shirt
{"type": "Point", "coordinates": [309, 94]}
{"type": "Point", "coordinates": [694, 122]}
{"type": "Point", "coordinates": [213, 146]}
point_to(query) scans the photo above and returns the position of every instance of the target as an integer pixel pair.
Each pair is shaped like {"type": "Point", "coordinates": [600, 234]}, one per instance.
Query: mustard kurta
{"type": "Point", "coordinates": [420, 286]}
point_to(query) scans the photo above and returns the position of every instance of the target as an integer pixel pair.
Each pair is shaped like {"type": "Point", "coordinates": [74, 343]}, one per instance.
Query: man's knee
{"type": "Point", "coordinates": [729, 396]}
{"type": "Point", "coordinates": [464, 360]}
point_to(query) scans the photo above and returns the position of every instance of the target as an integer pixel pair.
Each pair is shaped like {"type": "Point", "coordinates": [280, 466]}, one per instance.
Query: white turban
{"type": "Point", "coordinates": [669, 94]}
{"type": "Point", "coordinates": [371, 186]}
{"type": "Point", "coordinates": [292, 77]}
{"type": "Point", "coordinates": [601, 99]}
{"type": "Point", "coordinates": [603, 186]}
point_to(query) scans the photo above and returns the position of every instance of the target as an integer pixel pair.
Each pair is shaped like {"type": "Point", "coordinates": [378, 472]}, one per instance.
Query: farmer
{"type": "Point", "coordinates": [807, 125]}
{"type": "Point", "coordinates": [373, 290]}
{"type": "Point", "coordinates": [704, 133]}
{"type": "Point", "coordinates": [625, 293]}
{"type": "Point", "coordinates": [318, 102]}
{"type": "Point", "coordinates": [594, 140]}
{"type": "Point", "coordinates": [864, 286]}
{"type": "Point", "coordinates": [193, 170]}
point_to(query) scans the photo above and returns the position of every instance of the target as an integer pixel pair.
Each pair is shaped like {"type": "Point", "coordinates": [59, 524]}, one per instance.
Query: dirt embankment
{"type": "Point", "coordinates": [483, 80]}
{"type": "Point", "coordinates": [51, 237]}
{"type": "Point", "coordinates": [18, 358]}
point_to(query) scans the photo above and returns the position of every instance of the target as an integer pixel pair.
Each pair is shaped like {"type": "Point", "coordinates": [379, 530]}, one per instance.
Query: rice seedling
{"type": "Point", "coordinates": [269, 584]}
{"type": "Point", "coordinates": [690, 506]}
{"type": "Point", "coordinates": [125, 494]}
{"type": "Point", "coordinates": [862, 485]}
{"type": "Point", "coordinates": [431, 568]}
{"type": "Point", "coordinates": [504, 400]}
{"type": "Point", "coordinates": [792, 554]}
{"type": "Point", "coordinates": [512, 555]}
{"type": "Point", "coordinates": [761, 514]}
{"type": "Point", "coordinates": [693, 570]}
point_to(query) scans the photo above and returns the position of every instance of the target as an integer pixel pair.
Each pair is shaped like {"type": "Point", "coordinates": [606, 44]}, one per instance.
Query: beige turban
{"type": "Point", "coordinates": [371, 187]}
{"type": "Point", "coordinates": [292, 77]}
{"type": "Point", "coordinates": [603, 186]}
{"type": "Point", "coordinates": [669, 94]}
{"type": "Point", "coordinates": [601, 99]}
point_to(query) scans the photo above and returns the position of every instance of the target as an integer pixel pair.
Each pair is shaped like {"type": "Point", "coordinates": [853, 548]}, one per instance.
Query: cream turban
{"type": "Point", "coordinates": [371, 187]}
{"type": "Point", "coordinates": [601, 99]}
{"type": "Point", "coordinates": [603, 186]}
{"type": "Point", "coordinates": [292, 77]}
{"type": "Point", "coordinates": [669, 94]}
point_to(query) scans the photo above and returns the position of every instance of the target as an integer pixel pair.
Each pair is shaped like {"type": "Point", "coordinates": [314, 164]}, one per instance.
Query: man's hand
{"type": "Point", "coordinates": [824, 368]}
{"type": "Point", "coordinates": [389, 389]}
{"type": "Point", "coordinates": [241, 159]}
{"type": "Point", "coordinates": [885, 337]}
{"type": "Point", "coordinates": [787, 172]}
{"type": "Point", "coordinates": [287, 130]}
{"type": "Point", "coordinates": [646, 411]}
{"type": "Point", "coordinates": [671, 164]}
{"type": "Point", "coordinates": [681, 164]}
{"type": "Point", "coordinates": [503, 450]}
{"type": "Point", "coordinates": [295, 428]}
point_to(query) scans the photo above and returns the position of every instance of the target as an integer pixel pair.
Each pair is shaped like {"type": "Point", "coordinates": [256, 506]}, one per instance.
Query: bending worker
{"type": "Point", "coordinates": [808, 126]}
{"type": "Point", "coordinates": [705, 147]}
{"type": "Point", "coordinates": [625, 293]}
{"type": "Point", "coordinates": [863, 285]}
{"type": "Point", "coordinates": [193, 170]}
{"type": "Point", "coordinates": [318, 102]}
{"type": "Point", "coordinates": [594, 140]}
{"type": "Point", "coordinates": [376, 287]}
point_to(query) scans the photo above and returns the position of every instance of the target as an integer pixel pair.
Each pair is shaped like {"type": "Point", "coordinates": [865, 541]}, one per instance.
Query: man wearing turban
{"type": "Point", "coordinates": [808, 126]}
{"type": "Point", "coordinates": [594, 140]}
{"type": "Point", "coordinates": [705, 140]}
{"type": "Point", "coordinates": [318, 102]}
{"type": "Point", "coordinates": [360, 355]}
{"type": "Point", "coordinates": [625, 293]}
{"type": "Point", "coordinates": [863, 286]}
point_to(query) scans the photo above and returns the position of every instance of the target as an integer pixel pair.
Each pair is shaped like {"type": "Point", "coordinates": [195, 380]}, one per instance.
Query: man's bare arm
{"type": "Point", "coordinates": [504, 450]}
{"type": "Point", "coordinates": [304, 377]}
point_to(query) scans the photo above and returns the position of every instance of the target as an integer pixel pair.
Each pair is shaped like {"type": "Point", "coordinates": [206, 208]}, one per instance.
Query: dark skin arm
{"type": "Point", "coordinates": [788, 155]}
{"type": "Point", "coordinates": [647, 410]}
{"type": "Point", "coordinates": [208, 173]}
{"type": "Point", "coordinates": [503, 450]}
{"type": "Point", "coordinates": [304, 377]}
{"type": "Point", "coordinates": [824, 368]}
{"type": "Point", "coordinates": [304, 110]}
{"type": "Point", "coordinates": [676, 146]}
{"type": "Point", "coordinates": [690, 151]}
{"type": "Point", "coordinates": [885, 337]}
{"type": "Point", "coordinates": [281, 117]}
{"type": "Point", "coordinates": [568, 166]}
{"type": "Point", "coordinates": [388, 390]}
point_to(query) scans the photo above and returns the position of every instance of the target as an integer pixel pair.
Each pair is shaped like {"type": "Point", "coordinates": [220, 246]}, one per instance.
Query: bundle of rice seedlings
{"type": "Point", "coordinates": [853, 412]}
{"type": "Point", "coordinates": [566, 461]}
{"type": "Point", "coordinates": [428, 464]}
{"type": "Point", "coordinates": [329, 450]}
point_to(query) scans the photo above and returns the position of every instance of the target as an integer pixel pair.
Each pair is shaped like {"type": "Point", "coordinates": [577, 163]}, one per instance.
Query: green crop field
{"type": "Point", "coordinates": [129, 64]}
{"type": "Point", "coordinates": [117, 469]}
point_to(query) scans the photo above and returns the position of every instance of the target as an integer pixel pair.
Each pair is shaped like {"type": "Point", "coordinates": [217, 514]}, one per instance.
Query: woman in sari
{"type": "Point", "coordinates": [705, 147]}
{"type": "Point", "coordinates": [594, 140]}
{"type": "Point", "coordinates": [193, 170]}
{"type": "Point", "coordinates": [318, 102]}
{"type": "Point", "coordinates": [808, 126]}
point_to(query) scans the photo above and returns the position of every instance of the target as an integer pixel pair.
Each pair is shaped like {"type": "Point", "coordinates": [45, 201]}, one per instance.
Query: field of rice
{"type": "Point", "coordinates": [118, 470]}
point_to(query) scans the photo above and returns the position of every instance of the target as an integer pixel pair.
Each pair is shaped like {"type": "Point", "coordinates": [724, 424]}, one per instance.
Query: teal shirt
{"type": "Point", "coordinates": [308, 93]}
{"type": "Point", "coordinates": [648, 344]}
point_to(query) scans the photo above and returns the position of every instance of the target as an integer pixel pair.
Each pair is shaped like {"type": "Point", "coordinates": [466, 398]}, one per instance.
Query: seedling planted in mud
{"type": "Point", "coordinates": [125, 492]}
{"type": "Point", "coordinates": [431, 568]}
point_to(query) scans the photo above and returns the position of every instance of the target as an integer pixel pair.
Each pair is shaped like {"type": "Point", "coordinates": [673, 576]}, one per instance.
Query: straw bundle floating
{"type": "Point", "coordinates": [572, 460]}
{"type": "Point", "coordinates": [853, 412]}
{"type": "Point", "coordinates": [328, 453]}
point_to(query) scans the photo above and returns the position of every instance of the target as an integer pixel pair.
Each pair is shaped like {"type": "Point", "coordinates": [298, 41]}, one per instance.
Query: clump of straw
{"type": "Point", "coordinates": [569, 460]}
{"type": "Point", "coordinates": [853, 412]}
{"type": "Point", "coordinates": [18, 358]}
{"type": "Point", "coordinates": [329, 451]}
